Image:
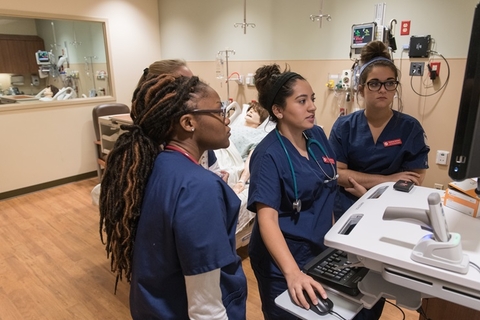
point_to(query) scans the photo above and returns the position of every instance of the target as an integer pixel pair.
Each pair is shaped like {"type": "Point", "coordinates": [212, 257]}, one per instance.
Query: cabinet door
{"type": "Point", "coordinates": [6, 56]}
{"type": "Point", "coordinates": [17, 53]}
{"type": "Point", "coordinates": [18, 56]}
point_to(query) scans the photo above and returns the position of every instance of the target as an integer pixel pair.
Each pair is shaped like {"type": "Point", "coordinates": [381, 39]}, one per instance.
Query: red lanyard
{"type": "Point", "coordinates": [182, 151]}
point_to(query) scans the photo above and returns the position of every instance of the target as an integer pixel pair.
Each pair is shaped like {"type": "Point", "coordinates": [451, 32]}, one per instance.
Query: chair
{"type": "Point", "coordinates": [100, 111]}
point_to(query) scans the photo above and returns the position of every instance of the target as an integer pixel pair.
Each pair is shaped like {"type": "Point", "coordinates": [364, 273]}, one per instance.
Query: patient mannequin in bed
{"type": "Point", "coordinates": [245, 137]}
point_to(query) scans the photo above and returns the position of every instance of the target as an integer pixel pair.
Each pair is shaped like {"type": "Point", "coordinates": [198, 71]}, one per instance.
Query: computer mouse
{"type": "Point", "coordinates": [323, 307]}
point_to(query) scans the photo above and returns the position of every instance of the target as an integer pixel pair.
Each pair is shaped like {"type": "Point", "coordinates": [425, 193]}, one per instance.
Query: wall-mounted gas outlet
{"type": "Point", "coordinates": [416, 68]}
{"type": "Point", "coordinates": [442, 157]}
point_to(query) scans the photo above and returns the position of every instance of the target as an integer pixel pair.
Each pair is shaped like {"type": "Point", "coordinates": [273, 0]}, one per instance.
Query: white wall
{"type": "Point", "coordinates": [196, 30]}
{"type": "Point", "coordinates": [56, 142]}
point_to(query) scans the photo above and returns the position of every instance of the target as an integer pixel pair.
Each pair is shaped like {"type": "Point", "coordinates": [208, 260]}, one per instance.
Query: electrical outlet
{"type": "Point", "coordinates": [435, 67]}
{"type": "Point", "coordinates": [416, 68]}
{"type": "Point", "coordinates": [438, 186]}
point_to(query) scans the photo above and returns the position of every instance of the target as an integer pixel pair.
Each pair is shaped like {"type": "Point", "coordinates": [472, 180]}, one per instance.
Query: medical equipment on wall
{"type": "Point", "coordinates": [49, 65]}
{"type": "Point", "coordinates": [297, 204]}
{"type": "Point", "coordinates": [90, 73]}
{"type": "Point", "coordinates": [376, 30]}
{"type": "Point", "coordinates": [441, 249]}
{"type": "Point", "coordinates": [362, 34]}
{"type": "Point", "coordinates": [341, 85]}
{"type": "Point", "coordinates": [219, 67]}
{"type": "Point", "coordinates": [45, 61]}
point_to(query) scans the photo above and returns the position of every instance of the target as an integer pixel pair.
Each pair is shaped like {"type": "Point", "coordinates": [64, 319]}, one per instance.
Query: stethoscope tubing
{"type": "Point", "coordinates": [310, 141]}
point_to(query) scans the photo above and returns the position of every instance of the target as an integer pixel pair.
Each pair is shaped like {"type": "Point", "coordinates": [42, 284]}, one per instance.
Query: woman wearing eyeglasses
{"type": "Point", "coordinates": [292, 189]}
{"type": "Point", "coordinates": [169, 223]}
{"type": "Point", "coordinates": [377, 144]}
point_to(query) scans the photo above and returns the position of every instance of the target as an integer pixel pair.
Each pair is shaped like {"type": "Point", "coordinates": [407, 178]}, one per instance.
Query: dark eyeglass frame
{"type": "Point", "coordinates": [222, 112]}
{"type": "Point", "coordinates": [384, 84]}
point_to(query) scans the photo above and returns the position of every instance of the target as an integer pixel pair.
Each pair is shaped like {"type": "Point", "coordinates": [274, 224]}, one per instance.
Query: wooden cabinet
{"type": "Point", "coordinates": [17, 53]}
{"type": "Point", "coordinates": [438, 309]}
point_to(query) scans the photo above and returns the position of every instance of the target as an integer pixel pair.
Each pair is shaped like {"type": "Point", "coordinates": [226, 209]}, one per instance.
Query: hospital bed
{"type": "Point", "coordinates": [229, 160]}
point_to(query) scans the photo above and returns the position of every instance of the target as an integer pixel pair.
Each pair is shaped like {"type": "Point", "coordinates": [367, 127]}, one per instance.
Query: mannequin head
{"type": "Point", "coordinates": [50, 91]}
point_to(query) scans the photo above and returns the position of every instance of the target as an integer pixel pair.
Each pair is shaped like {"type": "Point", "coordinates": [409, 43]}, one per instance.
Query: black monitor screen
{"type": "Point", "coordinates": [465, 160]}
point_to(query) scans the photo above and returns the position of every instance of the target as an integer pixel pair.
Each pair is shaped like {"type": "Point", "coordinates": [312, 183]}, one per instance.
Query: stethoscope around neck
{"type": "Point", "coordinates": [297, 204]}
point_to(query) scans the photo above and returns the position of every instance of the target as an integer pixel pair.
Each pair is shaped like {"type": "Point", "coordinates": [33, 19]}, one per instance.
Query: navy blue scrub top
{"type": "Point", "coordinates": [402, 146]}
{"type": "Point", "coordinates": [187, 227]}
{"type": "Point", "coordinates": [271, 183]}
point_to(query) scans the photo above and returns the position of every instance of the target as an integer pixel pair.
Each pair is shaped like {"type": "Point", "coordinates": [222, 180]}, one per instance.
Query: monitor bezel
{"type": "Point", "coordinates": [41, 62]}
{"type": "Point", "coordinates": [372, 25]}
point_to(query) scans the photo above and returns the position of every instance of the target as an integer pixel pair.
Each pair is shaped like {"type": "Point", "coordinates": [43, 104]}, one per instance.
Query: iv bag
{"type": "Point", "coordinates": [219, 68]}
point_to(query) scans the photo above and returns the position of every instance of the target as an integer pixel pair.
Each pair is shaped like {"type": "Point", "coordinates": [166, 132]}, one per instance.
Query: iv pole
{"type": "Point", "coordinates": [244, 24]}
{"type": "Point", "coordinates": [321, 15]}
{"type": "Point", "coordinates": [226, 52]}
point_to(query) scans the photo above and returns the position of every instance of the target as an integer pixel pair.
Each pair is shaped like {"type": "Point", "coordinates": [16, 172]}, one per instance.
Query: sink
{"type": "Point", "coordinates": [5, 100]}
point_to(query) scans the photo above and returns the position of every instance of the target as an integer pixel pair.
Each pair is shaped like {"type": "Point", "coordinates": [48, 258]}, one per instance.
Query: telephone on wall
{"type": "Point", "coordinates": [63, 94]}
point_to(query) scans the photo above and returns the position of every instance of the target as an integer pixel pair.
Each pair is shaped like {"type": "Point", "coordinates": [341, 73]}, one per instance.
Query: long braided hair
{"type": "Point", "coordinates": [157, 106]}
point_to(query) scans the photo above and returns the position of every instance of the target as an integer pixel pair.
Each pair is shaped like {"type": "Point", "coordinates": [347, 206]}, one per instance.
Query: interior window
{"type": "Point", "coordinates": [52, 59]}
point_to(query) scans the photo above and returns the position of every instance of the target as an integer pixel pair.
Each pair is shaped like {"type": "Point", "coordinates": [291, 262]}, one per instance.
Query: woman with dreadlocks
{"type": "Point", "coordinates": [169, 223]}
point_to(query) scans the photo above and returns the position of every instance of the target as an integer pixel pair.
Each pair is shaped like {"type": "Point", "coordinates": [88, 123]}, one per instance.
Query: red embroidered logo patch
{"type": "Point", "coordinates": [390, 143]}
{"type": "Point", "coordinates": [328, 160]}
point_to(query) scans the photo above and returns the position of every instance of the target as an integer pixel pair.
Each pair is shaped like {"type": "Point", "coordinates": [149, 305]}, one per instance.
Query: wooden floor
{"type": "Point", "coordinates": [53, 265]}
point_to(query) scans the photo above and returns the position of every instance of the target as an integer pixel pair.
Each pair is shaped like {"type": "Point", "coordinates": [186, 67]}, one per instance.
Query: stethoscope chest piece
{"type": "Point", "coordinates": [297, 205]}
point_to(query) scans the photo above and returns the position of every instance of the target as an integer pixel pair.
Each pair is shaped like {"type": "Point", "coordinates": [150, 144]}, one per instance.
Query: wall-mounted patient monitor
{"type": "Point", "coordinates": [362, 34]}
{"type": "Point", "coordinates": [43, 57]}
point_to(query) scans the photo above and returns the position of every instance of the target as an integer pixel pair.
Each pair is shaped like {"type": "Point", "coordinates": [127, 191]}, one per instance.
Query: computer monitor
{"type": "Point", "coordinates": [43, 57]}
{"type": "Point", "coordinates": [362, 34]}
{"type": "Point", "coordinates": [465, 159]}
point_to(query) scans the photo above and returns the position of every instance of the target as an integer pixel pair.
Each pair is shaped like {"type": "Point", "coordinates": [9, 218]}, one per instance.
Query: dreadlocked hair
{"type": "Point", "coordinates": [159, 104]}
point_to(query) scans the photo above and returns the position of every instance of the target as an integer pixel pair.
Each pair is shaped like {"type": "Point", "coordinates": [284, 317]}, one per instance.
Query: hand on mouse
{"type": "Point", "coordinates": [300, 283]}
{"type": "Point", "coordinates": [323, 306]}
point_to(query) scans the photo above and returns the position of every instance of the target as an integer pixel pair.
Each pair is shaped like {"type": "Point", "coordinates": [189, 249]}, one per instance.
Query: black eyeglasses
{"type": "Point", "coordinates": [377, 85]}
{"type": "Point", "coordinates": [222, 112]}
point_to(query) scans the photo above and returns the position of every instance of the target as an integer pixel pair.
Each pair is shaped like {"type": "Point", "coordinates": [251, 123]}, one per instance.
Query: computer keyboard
{"type": "Point", "coordinates": [333, 269]}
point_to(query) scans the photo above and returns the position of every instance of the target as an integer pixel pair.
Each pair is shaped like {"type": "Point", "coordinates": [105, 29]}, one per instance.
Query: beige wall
{"type": "Point", "coordinates": [436, 113]}
{"type": "Point", "coordinates": [55, 142]}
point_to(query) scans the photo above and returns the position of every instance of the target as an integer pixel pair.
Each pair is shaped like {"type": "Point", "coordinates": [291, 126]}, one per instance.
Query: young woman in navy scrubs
{"type": "Point", "coordinates": [377, 144]}
{"type": "Point", "coordinates": [170, 223]}
{"type": "Point", "coordinates": [292, 189]}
